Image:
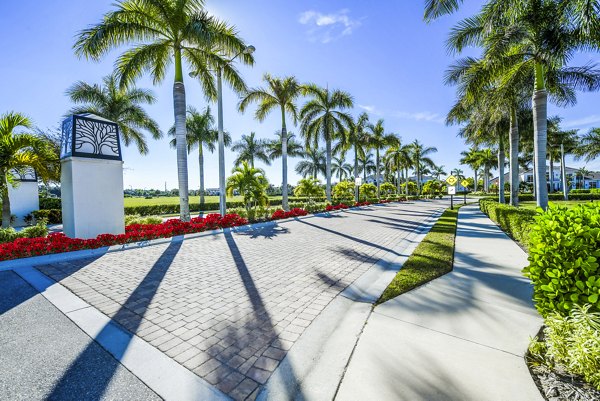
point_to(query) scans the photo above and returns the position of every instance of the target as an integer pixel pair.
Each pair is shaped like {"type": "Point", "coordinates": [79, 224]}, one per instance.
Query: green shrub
{"type": "Point", "coordinates": [387, 188]}
{"type": "Point", "coordinates": [10, 234]}
{"type": "Point", "coordinates": [52, 216]}
{"type": "Point", "coordinates": [563, 258]}
{"type": "Point", "coordinates": [572, 343]}
{"type": "Point", "coordinates": [137, 219]}
{"type": "Point", "coordinates": [367, 191]}
{"type": "Point", "coordinates": [514, 221]}
{"type": "Point", "coordinates": [559, 196]}
{"type": "Point", "coordinates": [50, 203]}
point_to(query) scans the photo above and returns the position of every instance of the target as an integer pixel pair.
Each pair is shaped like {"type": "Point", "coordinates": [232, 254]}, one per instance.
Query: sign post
{"type": "Point", "coordinates": [451, 180]}
{"type": "Point", "coordinates": [358, 183]}
{"type": "Point", "coordinates": [465, 184]}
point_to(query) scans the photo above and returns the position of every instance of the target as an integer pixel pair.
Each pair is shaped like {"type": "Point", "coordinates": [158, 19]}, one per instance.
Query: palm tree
{"type": "Point", "coordinates": [313, 164]}
{"type": "Point", "coordinates": [536, 39]}
{"type": "Point", "coordinates": [340, 168]}
{"type": "Point", "coordinates": [294, 148]}
{"type": "Point", "coordinates": [250, 183]}
{"type": "Point", "coordinates": [309, 188]}
{"type": "Point", "coordinates": [487, 160]}
{"type": "Point", "coordinates": [420, 157]}
{"type": "Point", "coordinates": [280, 93]}
{"type": "Point", "coordinates": [356, 139]}
{"type": "Point", "coordinates": [438, 171]}
{"type": "Point", "coordinates": [581, 172]}
{"type": "Point", "coordinates": [20, 152]}
{"type": "Point", "coordinates": [250, 148]}
{"type": "Point", "coordinates": [590, 145]}
{"type": "Point", "coordinates": [123, 106]}
{"type": "Point", "coordinates": [377, 139]}
{"type": "Point", "coordinates": [323, 118]}
{"type": "Point", "coordinates": [398, 157]}
{"type": "Point", "coordinates": [367, 165]}
{"type": "Point", "coordinates": [163, 32]}
{"type": "Point", "coordinates": [201, 133]}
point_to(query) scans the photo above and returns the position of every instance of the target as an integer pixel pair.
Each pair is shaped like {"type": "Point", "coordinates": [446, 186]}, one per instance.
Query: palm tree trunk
{"type": "Point", "coordinates": [563, 173]}
{"type": "Point", "coordinates": [501, 199]}
{"type": "Point", "coordinates": [5, 202]}
{"type": "Point", "coordinates": [475, 183]}
{"type": "Point", "coordinates": [328, 169]}
{"type": "Point", "coordinates": [486, 173]}
{"type": "Point", "coordinates": [514, 158]}
{"type": "Point", "coordinates": [377, 171]}
{"type": "Point", "coordinates": [398, 171]}
{"type": "Point", "coordinates": [534, 179]}
{"type": "Point", "coordinates": [180, 135]}
{"type": "Point", "coordinates": [551, 173]}
{"type": "Point", "coordinates": [418, 174]}
{"type": "Point", "coordinates": [356, 172]}
{"type": "Point", "coordinates": [201, 165]}
{"type": "Point", "coordinates": [406, 182]}
{"type": "Point", "coordinates": [540, 120]}
{"type": "Point", "coordinates": [284, 155]}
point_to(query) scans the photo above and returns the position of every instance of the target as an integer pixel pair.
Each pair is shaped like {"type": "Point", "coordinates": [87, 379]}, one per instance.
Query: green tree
{"type": "Point", "coordinates": [589, 148]}
{"type": "Point", "coordinates": [398, 157]}
{"type": "Point", "coordinates": [355, 139]}
{"type": "Point", "coordinates": [367, 165]}
{"type": "Point", "coordinates": [378, 139]}
{"type": "Point", "coordinates": [250, 183]}
{"type": "Point", "coordinates": [294, 148]}
{"type": "Point", "coordinates": [471, 158]}
{"type": "Point", "coordinates": [387, 188]}
{"type": "Point", "coordinates": [420, 157]}
{"type": "Point", "coordinates": [313, 164]}
{"type": "Point", "coordinates": [340, 168]}
{"type": "Point", "coordinates": [200, 133]}
{"type": "Point", "coordinates": [20, 151]}
{"type": "Point", "coordinates": [280, 93]}
{"type": "Point", "coordinates": [323, 117]}
{"type": "Point", "coordinates": [161, 33]}
{"type": "Point", "coordinates": [250, 148]}
{"type": "Point", "coordinates": [121, 105]}
{"type": "Point", "coordinates": [309, 188]}
{"type": "Point", "coordinates": [368, 190]}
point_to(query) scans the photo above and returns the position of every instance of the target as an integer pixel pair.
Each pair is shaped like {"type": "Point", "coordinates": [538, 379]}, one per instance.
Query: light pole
{"type": "Point", "coordinates": [222, 198]}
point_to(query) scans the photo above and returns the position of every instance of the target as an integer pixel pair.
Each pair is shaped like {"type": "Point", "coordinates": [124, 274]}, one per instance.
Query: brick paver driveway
{"type": "Point", "coordinates": [229, 306]}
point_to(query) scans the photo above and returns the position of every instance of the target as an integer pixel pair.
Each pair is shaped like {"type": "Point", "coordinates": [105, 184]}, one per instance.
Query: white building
{"type": "Point", "coordinates": [591, 180]}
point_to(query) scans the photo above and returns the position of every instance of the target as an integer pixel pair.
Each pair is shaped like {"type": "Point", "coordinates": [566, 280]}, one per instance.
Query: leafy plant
{"type": "Point", "coordinates": [137, 219]}
{"type": "Point", "coordinates": [514, 221]}
{"type": "Point", "coordinates": [563, 258]}
{"type": "Point", "coordinates": [309, 188]}
{"type": "Point", "coordinates": [343, 190]}
{"type": "Point", "coordinates": [368, 190]}
{"type": "Point", "coordinates": [387, 188]}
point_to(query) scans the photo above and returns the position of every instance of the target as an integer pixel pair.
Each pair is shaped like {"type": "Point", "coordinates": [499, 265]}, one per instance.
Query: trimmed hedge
{"type": "Point", "coordinates": [559, 196]}
{"type": "Point", "coordinates": [514, 221]}
{"type": "Point", "coordinates": [50, 203]}
{"type": "Point", "coordinates": [563, 258]}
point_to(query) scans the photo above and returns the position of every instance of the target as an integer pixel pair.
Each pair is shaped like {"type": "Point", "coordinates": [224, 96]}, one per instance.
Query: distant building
{"type": "Point", "coordinates": [591, 180]}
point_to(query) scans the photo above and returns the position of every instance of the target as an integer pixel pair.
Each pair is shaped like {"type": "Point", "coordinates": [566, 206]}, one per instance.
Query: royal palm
{"type": "Point", "coordinates": [378, 139]}
{"type": "Point", "coordinates": [161, 33]}
{"type": "Point", "coordinates": [249, 149]}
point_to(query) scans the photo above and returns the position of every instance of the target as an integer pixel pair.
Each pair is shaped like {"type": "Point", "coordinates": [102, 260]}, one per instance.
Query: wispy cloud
{"type": "Point", "coordinates": [370, 109]}
{"type": "Point", "coordinates": [420, 116]}
{"type": "Point", "coordinates": [326, 28]}
{"type": "Point", "coordinates": [582, 122]}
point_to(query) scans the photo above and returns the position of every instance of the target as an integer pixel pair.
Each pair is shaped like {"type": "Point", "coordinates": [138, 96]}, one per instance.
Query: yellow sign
{"type": "Point", "coordinates": [452, 180]}
{"type": "Point", "coordinates": [464, 183]}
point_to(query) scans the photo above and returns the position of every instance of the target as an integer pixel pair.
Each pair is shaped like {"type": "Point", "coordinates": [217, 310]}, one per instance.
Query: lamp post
{"type": "Point", "coordinates": [222, 198]}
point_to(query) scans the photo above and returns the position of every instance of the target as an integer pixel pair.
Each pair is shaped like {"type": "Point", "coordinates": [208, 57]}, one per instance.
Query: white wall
{"type": "Point", "coordinates": [92, 197]}
{"type": "Point", "coordinates": [24, 199]}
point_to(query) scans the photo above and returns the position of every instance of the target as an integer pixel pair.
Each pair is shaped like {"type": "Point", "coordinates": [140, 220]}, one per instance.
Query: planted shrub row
{"type": "Point", "coordinates": [515, 221]}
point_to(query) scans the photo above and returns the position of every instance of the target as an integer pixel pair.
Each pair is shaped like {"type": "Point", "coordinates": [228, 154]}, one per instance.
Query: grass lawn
{"type": "Point", "coordinates": [570, 203]}
{"type": "Point", "coordinates": [174, 200]}
{"type": "Point", "coordinates": [433, 258]}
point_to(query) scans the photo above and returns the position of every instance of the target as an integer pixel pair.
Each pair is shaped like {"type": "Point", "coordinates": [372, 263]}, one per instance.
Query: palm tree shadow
{"type": "Point", "coordinates": [268, 231]}
{"type": "Point", "coordinates": [129, 316]}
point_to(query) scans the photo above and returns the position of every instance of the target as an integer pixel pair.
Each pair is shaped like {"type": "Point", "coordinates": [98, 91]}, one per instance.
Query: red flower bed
{"type": "Point", "coordinates": [58, 242]}
{"type": "Point", "coordinates": [358, 204]}
{"type": "Point", "coordinates": [384, 201]}
{"type": "Point", "coordinates": [282, 214]}
{"type": "Point", "coordinates": [329, 208]}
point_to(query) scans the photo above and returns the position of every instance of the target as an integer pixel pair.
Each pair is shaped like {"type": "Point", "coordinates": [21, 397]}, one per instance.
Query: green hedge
{"type": "Point", "coordinates": [50, 203]}
{"type": "Point", "coordinates": [563, 258]}
{"type": "Point", "coordinates": [52, 216]}
{"type": "Point", "coordinates": [515, 221]}
{"type": "Point", "coordinates": [559, 196]}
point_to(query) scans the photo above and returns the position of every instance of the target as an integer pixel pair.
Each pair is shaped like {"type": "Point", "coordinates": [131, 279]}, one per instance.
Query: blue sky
{"type": "Point", "coordinates": [384, 55]}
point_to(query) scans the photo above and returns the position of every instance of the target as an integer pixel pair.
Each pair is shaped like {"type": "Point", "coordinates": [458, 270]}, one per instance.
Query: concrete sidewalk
{"type": "Point", "coordinates": [460, 337]}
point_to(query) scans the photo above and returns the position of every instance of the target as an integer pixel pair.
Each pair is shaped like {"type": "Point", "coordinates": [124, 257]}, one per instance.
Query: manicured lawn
{"type": "Point", "coordinates": [569, 204]}
{"type": "Point", "coordinates": [174, 200]}
{"type": "Point", "coordinates": [433, 258]}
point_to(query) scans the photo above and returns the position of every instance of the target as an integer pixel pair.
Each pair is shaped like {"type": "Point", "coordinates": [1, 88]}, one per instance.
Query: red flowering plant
{"type": "Point", "coordinates": [339, 206]}
{"type": "Point", "coordinates": [359, 204]}
{"type": "Point", "coordinates": [58, 242]}
{"type": "Point", "coordinates": [282, 214]}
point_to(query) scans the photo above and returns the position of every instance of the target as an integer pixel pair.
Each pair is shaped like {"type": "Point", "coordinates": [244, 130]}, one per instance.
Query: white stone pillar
{"type": "Point", "coordinates": [24, 197]}
{"type": "Point", "coordinates": [91, 177]}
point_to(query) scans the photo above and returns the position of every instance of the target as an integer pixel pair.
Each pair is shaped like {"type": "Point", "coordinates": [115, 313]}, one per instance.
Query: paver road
{"type": "Point", "coordinates": [229, 306]}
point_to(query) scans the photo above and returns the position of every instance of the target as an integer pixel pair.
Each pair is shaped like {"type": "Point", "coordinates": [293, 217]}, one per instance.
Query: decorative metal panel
{"type": "Point", "coordinates": [92, 137]}
{"type": "Point", "coordinates": [26, 174]}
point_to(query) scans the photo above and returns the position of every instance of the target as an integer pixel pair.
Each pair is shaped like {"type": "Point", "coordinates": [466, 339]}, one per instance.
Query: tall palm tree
{"type": "Point", "coordinates": [20, 152]}
{"type": "Point", "coordinates": [367, 165]}
{"type": "Point", "coordinates": [487, 160]}
{"type": "Point", "coordinates": [581, 172]}
{"type": "Point", "coordinates": [323, 117]}
{"type": "Point", "coordinates": [280, 93]}
{"type": "Point", "coordinates": [340, 168]}
{"type": "Point", "coordinates": [251, 184]}
{"type": "Point", "coordinates": [161, 33]}
{"type": "Point", "coordinates": [378, 139]}
{"type": "Point", "coordinates": [398, 156]}
{"type": "Point", "coordinates": [313, 164]}
{"type": "Point", "coordinates": [121, 105]}
{"type": "Point", "coordinates": [356, 137]}
{"type": "Point", "coordinates": [590, 145]}
{"type": "Point", "coordinates": [250, 148]}
{"type": "Point", "coordinates": [438, 171]}
{"type": "Point", "coordinates": [472, 159]}
{"type": "Point", "coordinates": [201, 133]}
{"type": "Point", "coordinates": [420, 157]}
{"type": "Point", "coordinates": [294, 148]}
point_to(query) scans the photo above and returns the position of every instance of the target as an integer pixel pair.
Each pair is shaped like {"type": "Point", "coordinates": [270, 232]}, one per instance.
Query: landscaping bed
{"type": "Point", "coordinates": [433, 258]}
